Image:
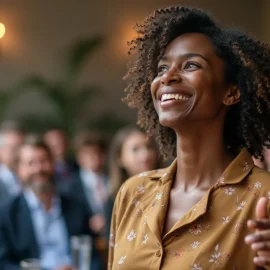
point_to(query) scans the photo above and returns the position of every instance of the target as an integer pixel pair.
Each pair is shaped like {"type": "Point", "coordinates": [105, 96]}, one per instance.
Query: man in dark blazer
{"type": "Point", "coordinates": [91, 182]}
{"type": "Point", "coordinates": [18, 239]}
{"type": "Point", "coordinates": [39, 222]}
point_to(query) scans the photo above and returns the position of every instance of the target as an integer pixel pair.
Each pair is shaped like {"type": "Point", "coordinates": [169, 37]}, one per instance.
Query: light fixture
{"type": "Point", "coordinates": [2, 30]}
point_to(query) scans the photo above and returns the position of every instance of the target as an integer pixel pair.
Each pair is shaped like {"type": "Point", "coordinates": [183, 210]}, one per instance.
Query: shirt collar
{"type": "Point", "coordinates": [89, 178]}
{"type": "Point", "coordinates": [86, 173]}
{"type": "Point", "coordinates": [35, 204]}
{"type": "Point", "coordinates": [32, 201]}
{"type": "Point", "coordinates": [237, 170]}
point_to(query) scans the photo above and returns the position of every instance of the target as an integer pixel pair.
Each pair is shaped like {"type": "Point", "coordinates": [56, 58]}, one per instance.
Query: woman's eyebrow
{"type": "Point", "coordinates": [185, 55]}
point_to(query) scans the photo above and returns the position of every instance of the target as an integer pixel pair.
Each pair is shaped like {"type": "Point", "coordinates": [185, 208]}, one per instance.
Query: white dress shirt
{"type": "Point", "coordinates": [95, 190]}
{"type": "Point", "coordinates": [51, 232]}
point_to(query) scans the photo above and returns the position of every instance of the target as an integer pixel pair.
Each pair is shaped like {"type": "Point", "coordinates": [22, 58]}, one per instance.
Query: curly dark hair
{"type": "Point", "coordinates": [247, 65]}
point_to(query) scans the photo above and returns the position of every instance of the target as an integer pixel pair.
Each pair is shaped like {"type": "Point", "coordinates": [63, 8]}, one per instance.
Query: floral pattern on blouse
{"type": "Point", "coordinates": [209, 236]}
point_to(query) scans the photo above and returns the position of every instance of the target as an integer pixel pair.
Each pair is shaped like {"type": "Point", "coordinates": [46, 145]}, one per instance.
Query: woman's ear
{"type": "Point", "coordinates": [232, 96]}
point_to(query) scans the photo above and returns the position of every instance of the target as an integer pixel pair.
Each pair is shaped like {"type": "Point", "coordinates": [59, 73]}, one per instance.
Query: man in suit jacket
{"type": "Point", "coordinates": [91, 180]}
{"type": "Point", "coordinates": [39, 222]}
{"type": "Point", "coordinates": [90, 183]}
{"type": "Point", "coordinates": [19, 239]}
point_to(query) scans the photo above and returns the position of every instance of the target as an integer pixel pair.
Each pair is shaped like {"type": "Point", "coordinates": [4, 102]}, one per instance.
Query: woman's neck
{"type": "Point", "coordinates": [201, 158]}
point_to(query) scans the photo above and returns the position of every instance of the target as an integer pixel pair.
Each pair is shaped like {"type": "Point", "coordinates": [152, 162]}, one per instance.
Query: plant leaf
{"type": "Point", "coordinates": [84, 95]}
{"type": "Point", "coordinates": [79, 53]}
{"type": "Point", "coordinates": [28, 84]}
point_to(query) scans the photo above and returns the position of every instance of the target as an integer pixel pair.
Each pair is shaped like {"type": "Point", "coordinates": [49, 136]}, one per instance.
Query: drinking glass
{"type": "Point", "coordinates": [30, 264]}
{"type": "Point", "coordinates": [81, 248]}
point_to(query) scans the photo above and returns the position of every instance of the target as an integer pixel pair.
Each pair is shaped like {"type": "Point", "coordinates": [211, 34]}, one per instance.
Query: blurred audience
{"type": "Point", "coordinates": [47, 197]}
{"type": "Point", "coordinates": [58, 142]}
{"type": "Point", "coordinates": [131, 153]}
{"type": "Point", "coordinates": [38, 222]}
{"type": "Point", "coordinates": [91, 182]}
{"type": "Point", "coordinates": [11, 137]}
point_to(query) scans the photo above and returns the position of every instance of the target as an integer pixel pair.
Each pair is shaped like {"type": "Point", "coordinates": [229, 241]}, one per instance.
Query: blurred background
{"type": "Point", "coordinates": [62, 62]}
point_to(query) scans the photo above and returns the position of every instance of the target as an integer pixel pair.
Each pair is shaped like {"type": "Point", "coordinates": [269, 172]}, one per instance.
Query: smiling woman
{"type": "Point", "coordinates": [205, 89]}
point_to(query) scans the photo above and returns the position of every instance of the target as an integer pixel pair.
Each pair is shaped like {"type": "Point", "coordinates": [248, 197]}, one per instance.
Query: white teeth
{"type": "Point", "coordinates": [173, 96]}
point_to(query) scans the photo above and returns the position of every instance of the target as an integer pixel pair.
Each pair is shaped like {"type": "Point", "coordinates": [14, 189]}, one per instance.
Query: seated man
{"type": "Point", "coordinates": [39, 223]}
{"type": "Point", "coordinates": [64, 164]}
{"type": "Point", "coordinates": [91, 183]}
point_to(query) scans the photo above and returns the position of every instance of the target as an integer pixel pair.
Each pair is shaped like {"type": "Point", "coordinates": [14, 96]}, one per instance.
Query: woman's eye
{"type": "Point", "coordinates": [191, 66]}
{"type": "Point", "coordinates": [162, 69]}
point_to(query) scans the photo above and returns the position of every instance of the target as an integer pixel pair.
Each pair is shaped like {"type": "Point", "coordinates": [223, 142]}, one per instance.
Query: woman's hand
{"type": "Point", "coordinates": [259, 241]}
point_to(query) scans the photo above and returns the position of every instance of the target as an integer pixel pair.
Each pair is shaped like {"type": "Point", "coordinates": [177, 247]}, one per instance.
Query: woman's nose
{"type": "Point", "coordinates": [169, 77]}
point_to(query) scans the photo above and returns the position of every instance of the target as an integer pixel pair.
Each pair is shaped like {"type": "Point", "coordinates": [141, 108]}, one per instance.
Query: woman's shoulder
{"type": "Point", "coordinates": [260, 177]}
{"type": "Point", "coordinates": [143, 182]}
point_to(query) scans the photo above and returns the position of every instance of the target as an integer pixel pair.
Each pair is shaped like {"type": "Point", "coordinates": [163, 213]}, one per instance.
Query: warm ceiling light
{"type": "Point", "coordinates": [2, 30]}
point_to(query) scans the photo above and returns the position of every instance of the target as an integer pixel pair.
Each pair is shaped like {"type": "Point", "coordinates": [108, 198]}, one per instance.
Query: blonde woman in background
{"type": "Point", "coordinates": [131, 153]}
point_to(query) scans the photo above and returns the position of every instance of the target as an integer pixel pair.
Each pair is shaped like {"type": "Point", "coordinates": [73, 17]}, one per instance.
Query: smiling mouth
{"type": "Point", "coordinates": [167, 97]}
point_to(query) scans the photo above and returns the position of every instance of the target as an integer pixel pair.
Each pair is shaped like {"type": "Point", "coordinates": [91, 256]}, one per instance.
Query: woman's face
{"type": "Point", "coordinates": [190, 82]}
{"type": "Point", "coordinates": [138, 154]}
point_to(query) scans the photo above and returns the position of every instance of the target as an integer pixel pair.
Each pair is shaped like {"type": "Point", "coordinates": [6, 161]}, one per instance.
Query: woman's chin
{"type": "Point", "coordinates": [172, 123]}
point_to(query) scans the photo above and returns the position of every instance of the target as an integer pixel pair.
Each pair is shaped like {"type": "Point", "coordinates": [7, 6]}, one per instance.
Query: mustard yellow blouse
{"type": "Point", "coordinates": [209, 236]}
